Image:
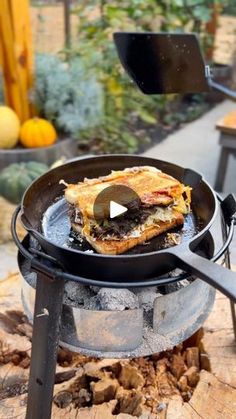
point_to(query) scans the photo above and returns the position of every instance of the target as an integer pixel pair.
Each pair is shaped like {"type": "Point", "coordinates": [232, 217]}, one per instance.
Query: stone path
{"type": "Point", "coordinates": [196, 146]}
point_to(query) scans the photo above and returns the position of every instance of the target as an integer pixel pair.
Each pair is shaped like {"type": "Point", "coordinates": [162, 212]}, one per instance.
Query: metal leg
{"type": "Point", "coordinates": [222, 166]}
{"type": "Point", "coordinates": [228, 265]}
{"type": "Point", "coordinates": [47, 315]}
{"type": "Point", "coordinates": [233, 315]}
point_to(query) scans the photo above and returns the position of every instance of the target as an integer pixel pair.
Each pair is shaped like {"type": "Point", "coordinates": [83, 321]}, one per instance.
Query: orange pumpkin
{"type": "Point", "coordinates": [37, 132]}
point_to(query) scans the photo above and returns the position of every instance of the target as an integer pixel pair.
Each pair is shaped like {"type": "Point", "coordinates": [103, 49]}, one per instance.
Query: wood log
{"type": "Point", "coordinates": [152, 391]}
{"type": "Point", "coordinates": [211, 399]}
{"type": "Point", "coordinates": [24, 52]}
{"type": "Point", "coordinates": [9, 63]}
{"type": "Point", "coordinates": [219, 340]}
{"type": "Point", "coordinates": [192, 357]}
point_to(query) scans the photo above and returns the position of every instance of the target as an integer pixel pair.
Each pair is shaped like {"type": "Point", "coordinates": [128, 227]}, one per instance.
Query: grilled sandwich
{"type": "Point", "coordinates": [162, 205]}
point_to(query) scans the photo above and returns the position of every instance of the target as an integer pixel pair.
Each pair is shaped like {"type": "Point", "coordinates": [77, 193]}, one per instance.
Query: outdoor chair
{"type": "Point", "coordinates": [227, 141]}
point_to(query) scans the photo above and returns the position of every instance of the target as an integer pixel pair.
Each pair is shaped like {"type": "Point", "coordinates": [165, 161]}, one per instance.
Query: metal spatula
{"type": "Point", "coordinates": [166, 63]}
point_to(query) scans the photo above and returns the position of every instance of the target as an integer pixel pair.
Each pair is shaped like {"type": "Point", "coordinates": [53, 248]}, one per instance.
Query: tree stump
{"type": "Point", "coordinates": [166, 385]}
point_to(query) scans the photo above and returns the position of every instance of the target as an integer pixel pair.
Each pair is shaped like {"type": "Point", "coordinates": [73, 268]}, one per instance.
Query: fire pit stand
{"type": "Point", "coordinates": [48, 310]}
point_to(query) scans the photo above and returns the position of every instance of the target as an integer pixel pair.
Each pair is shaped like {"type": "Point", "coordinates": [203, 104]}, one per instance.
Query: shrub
{"type": "Point", "coordinates": [66, 94]}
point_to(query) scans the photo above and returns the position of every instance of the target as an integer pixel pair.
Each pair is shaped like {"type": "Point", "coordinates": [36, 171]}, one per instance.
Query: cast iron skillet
{"type": "Point", "coordinates": [44, 215]}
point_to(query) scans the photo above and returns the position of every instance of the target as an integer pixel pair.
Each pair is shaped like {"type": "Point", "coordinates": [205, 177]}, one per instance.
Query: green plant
{"type": "Point", "coordinates": [67, 94]}
{"type": "Point", "coordinates": [108, 137]}
{"type": "Point", "coordinates": [229, 7]}
{"type": "Point", "coordinates": [190, 16]}
{"type": "Point", "coordinates": [122, 100]}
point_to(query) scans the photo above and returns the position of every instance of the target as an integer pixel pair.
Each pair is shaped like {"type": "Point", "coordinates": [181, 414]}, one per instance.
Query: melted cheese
{"type": "Point", "coordinates": [146, 181]}
{"type": "Point", "coordinates": [161, 214]}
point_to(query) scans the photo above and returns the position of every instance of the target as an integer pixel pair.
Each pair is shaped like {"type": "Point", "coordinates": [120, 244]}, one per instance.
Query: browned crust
{"type": "Point", "coordinates": [152, 186]}
{"type": "Point", "coordinates": [116, 247]}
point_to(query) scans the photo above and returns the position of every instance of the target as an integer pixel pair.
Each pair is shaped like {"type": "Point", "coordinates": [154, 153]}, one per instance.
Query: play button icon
{"type": "Point", "coordinates": [116, 209]}
{"type": "Point", "coordinates": [115, 202]}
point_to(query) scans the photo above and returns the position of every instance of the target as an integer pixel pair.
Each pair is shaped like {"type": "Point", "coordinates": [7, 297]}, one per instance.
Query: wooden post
{"type": "Point", "coordinates": [16, 55]}
{"type": "Point", "coordinates": [211, 28]}
{"type": "Point", "coordinates": [67, 23]}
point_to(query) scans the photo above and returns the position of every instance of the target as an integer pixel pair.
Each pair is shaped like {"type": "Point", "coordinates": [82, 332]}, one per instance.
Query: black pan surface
{"type": "Point", "coordinates": [43, 214]}
{"type": "Point", "coordinates": [56, 227]}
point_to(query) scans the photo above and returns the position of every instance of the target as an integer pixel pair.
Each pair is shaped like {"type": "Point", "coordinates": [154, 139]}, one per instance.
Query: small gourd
{"type": "Point", "coordinates": [9, 127]}
{"type": "Point", "coordinates": [37, 132]}
{"type": "Point", "coordinates": [16, 178]}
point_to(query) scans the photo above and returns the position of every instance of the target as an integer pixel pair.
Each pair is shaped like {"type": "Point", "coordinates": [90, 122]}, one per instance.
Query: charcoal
{"type": "Point", "coordinates": [113, 299]}
{"type": "Point", "coordinates": [147, 297]}
{"type": "Point", "coordinates": [76, 293]}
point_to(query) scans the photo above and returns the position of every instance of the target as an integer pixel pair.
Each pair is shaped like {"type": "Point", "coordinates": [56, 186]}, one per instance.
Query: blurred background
{"type": "Point", "coordinates": [125, 120]}
{"type": "Point", "coordinates": [64, 94]}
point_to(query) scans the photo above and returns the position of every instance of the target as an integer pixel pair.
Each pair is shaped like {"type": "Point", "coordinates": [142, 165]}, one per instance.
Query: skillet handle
{"type": "Point", "coordinates": [34, 253]}
{"type": "Point", "coordinates": [216, 275]}
{"type": "Point", "coordinates": [25, 224]}
{"type": "Point", "coordinates": [15, 237]}
{"type": "Point", "coordinates": [34, 233]}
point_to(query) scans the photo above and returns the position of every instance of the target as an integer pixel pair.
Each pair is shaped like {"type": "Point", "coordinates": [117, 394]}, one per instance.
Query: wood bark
{"type": "Point", "coordinates": [162, 386]}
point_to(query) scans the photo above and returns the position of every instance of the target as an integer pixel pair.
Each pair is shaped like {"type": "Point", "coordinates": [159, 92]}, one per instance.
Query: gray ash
{"type": "Point", "coordinates": [109, 299]}
{"type": "Point", "coordinates": [96, 298]}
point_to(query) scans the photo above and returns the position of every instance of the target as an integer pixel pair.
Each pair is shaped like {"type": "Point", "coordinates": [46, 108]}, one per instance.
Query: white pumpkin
{"type": "Point", "coordinates": [9, 127]}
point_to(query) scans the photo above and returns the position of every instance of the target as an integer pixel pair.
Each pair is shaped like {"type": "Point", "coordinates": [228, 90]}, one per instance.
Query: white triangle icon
{"type": "Point", "coordinates": [116, 209]}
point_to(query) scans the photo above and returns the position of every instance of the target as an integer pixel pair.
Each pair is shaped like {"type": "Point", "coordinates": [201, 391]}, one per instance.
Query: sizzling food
{"type": "Point", "coordinates": [162, 205]}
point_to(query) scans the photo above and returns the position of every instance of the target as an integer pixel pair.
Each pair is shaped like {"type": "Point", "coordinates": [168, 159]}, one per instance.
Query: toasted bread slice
{"type": "Point", "coordinates": [116, 247]}
{"type": "Point", "coordinates": [151, 185]}
{"type": "Point", "coordinates": [155, 189]}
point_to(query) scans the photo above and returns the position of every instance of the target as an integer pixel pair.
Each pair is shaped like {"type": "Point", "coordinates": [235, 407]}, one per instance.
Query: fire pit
{"type": "Point", "coordinates": [122, 323]}
{"type": "Point", "coordinates": [98, 319]}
